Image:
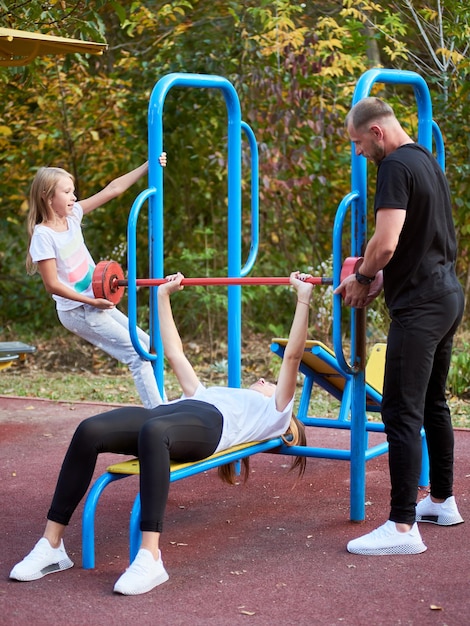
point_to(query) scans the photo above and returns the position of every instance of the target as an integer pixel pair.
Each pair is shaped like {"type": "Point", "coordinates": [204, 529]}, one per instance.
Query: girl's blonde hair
{"type": "Point", "coordinates": [294, 436]}
{"type": "Point", "coordinates": [42, 191]}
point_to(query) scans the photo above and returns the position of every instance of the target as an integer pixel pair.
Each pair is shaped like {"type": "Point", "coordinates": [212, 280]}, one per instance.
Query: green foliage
{"type": "Point", "coordinates": [294, 66]}
{"type": "Point", "coordinates": [76, 19]}
{"type": "Point", "coordinates": [459, 373]}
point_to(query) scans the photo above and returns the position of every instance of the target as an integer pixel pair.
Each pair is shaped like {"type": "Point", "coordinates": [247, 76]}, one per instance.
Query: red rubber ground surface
{"type": "Point", "coordinates": [270, 552]}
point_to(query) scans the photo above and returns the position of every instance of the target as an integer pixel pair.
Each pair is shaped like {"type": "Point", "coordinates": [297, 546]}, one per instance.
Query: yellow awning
{"type": "Point", "coordinates": [19, 47]}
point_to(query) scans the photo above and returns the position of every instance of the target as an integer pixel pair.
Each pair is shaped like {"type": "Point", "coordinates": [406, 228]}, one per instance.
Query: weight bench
{"type": "Point", "coordinates": [178, 471]}
{"type": "Point", "coordinates": [11, 351]}
{"type": "Point", "coordinates": [319, 365]}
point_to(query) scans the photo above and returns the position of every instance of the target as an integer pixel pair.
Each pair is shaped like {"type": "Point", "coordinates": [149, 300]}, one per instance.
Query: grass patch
{"type": "Point", "coordinates": [118, 388]}
{"type": "Point", "coordinates": [70, 387]}
{"type": "Point", "coordinates": [66, 368]}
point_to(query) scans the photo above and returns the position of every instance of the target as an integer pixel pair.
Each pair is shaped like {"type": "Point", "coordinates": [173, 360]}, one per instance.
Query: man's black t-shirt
{"type": "Point", "coordinates": [423, 265]}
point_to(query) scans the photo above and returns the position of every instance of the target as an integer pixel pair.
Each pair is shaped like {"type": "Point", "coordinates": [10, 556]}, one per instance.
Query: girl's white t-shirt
{"type": "Point", "coordinates": [248, 415]}
{"type": "Point", "coordinates": [74, 262]}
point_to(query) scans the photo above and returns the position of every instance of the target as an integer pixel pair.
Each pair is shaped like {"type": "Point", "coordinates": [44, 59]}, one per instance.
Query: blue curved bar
{"type": "Point", "coordinates": [401, 77]}
{"type": "Point", "coordinates": [132, 272]}
{"type": "Point", "coordinates": [338, 226]}
{"type": "Point", "coordinates": [254, 200]}
{"type": "Point", "coordinates": [439, 143]}
{"type": "Point", "coordinates": [88, 517]}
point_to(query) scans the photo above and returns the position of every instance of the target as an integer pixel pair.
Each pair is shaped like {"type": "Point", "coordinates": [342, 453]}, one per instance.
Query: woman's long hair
{"type": "Point", "coordinates": [42, 191]}
{"type": "Point", "coordinates": [294, 436]}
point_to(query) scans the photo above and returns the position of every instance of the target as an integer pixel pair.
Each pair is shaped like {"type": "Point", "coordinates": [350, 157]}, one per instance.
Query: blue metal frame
{"type": "Point", "coordinates": [354, 204]}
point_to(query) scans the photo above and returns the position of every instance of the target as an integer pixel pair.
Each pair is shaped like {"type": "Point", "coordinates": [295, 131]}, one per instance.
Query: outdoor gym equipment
{"type": "Point", "coordinates": [347, 361]}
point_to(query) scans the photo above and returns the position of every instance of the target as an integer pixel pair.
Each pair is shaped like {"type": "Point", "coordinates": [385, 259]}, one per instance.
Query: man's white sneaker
{"type": "Point", "coordinates": [388, 540]}
{"type": "Point", "coordinates": [43, 559]}
{"type": "Point", "coordinates": [445, 513]}
{"type": "Point", "coordinates": [142, 575]}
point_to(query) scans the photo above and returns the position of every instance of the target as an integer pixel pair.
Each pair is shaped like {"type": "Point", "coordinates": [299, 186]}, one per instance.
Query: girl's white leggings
{"type": "Point", "coordinates": [109, 330]}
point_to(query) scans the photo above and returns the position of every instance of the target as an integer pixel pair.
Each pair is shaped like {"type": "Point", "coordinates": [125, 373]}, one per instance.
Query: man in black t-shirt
{"type": "Point", "coordinates": [414, 244]}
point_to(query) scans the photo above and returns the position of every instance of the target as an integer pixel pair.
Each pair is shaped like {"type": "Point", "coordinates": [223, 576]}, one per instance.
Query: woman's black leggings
{"type": "Point", "coordinates": [187, 430]}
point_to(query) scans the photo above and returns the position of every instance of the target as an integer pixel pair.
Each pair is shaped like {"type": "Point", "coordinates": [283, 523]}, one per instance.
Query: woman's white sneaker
{"type": "Point", "coordinates": [387, 540]}
{"type": "Point", "coordinates": [442, 513]}
{"type": "Point", "coordinates": [43, 559]}
{"type": "Point", "coordinates": [142, 575]}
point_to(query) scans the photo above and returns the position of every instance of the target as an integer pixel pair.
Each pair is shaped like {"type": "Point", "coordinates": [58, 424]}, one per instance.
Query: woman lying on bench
{"type": "Point", "coordinates": [202, 422]}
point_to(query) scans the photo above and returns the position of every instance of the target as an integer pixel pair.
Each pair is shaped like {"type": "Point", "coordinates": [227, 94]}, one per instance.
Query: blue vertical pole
{"type": "Point", "coordinates": [234, 235]}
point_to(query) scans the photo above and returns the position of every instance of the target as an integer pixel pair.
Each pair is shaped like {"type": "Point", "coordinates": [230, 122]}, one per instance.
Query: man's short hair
{"type": "Point", "coordinates": [366, 110]}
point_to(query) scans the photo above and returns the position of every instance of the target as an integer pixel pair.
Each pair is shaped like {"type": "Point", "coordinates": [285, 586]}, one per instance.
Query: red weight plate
{"type": "Point", "coordinates": [105, 281]}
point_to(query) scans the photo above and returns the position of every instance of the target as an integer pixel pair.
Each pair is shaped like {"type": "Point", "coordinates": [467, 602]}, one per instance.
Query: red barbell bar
{"type": "Point", "coordinates": [108, 279]}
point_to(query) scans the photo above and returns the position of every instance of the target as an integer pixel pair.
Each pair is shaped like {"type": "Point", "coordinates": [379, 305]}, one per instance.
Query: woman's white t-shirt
{"type": "Point", "coordinates": [248, 414]}
{"type": "Point", "coordinates": [74, 262]}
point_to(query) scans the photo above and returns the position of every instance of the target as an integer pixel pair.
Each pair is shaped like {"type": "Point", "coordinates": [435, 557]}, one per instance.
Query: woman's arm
{"type": "Point", "coordinates": [48, 271]}
{"type": "Point", "coordinates": [172, 344]}
{"type": "Point", "coordinates": [287, 381]}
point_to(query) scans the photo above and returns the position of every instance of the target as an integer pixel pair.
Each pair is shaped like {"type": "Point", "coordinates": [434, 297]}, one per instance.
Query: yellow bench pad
{"type": "Point", "coordinates": [132, 466]}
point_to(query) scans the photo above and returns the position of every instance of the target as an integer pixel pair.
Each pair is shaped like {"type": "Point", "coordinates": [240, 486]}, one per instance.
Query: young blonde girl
{"type": "Point", "coordinates": [57, 250]}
